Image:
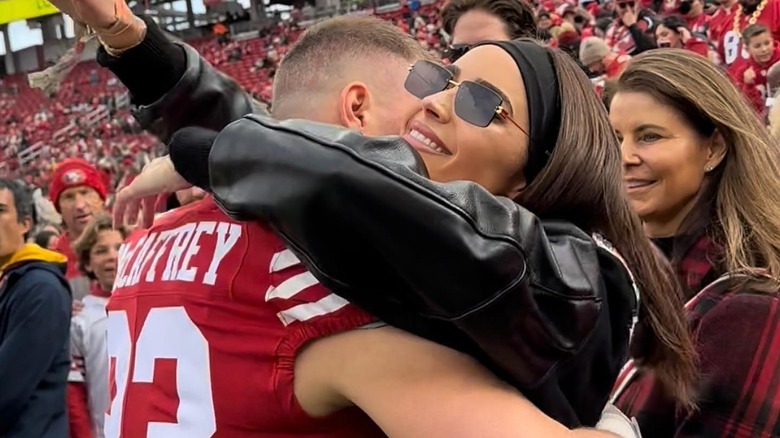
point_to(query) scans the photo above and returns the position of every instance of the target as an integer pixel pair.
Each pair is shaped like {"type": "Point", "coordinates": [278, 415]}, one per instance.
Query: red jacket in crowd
{"type": "Point", "coordinates": [698, 24]}
{"type": "Point", "coordinates": [697, 45]}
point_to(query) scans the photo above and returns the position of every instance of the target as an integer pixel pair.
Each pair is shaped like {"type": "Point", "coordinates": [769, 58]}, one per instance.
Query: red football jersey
{"type": "Point", "coordinates": [64, 247]}
{"type": "Point", "coordinates": [719, 22]}
{"type": "Point", "coordinates": [204, 324]}
{"type": "Point", "coordinates": [698, 24]}
{"type": "Point", "coordinates": [730, 47]}
{"type": "Point", "coordinates": [619, 38]}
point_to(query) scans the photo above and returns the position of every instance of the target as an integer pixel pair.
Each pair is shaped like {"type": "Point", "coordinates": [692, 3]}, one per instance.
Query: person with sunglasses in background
{"type": "Point", "coordinates": [472, 252]}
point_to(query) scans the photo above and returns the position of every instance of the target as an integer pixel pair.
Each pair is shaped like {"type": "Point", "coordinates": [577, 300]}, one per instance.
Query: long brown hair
{"type": "Point", "coordinates": [740, 202]}
{"type": "Point", "coordinates": [582, 183]}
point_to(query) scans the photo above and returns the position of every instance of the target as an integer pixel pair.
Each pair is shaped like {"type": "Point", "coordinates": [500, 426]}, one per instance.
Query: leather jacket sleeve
{"type": "Point", "coordinates": [203, 97]}
{"type": "Point", "coordinates": [539, 302]}
{"type": "Point", "coordinates": [200, 96]}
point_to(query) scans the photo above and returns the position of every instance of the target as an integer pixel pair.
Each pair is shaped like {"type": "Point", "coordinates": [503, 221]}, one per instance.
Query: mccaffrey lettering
{"type": "Point", "coordinates": [191, 252]}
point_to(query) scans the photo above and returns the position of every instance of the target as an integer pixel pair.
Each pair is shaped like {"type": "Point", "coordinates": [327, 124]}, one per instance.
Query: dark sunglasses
{"type": "Point", "coordinates": [455, 51]}
{"type": "Point", "coordinates": [474, 103]}
{"type": "Point", "coordinates": [626, 5]}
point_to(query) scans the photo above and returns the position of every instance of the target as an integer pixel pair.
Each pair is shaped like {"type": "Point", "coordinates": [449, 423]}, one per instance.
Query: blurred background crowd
{"type": "Point", "coordinates": [76, 145]}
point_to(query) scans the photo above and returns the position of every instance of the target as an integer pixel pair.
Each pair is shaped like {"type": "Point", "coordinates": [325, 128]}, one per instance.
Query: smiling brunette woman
{"type": "Point", "coordinates": [502, 232]}
{"type": "Point", "coordinates": [702, 172]}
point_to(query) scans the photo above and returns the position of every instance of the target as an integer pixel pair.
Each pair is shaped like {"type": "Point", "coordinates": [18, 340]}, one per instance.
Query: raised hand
{"type": "Point", "coordinates": [112, 20]}
{"type": "Point", "coordinates": [749, 76]}
{"type": "Point", "coordinates": [141, 196]}
{"type": "Point", "coordinates": [97, 14]}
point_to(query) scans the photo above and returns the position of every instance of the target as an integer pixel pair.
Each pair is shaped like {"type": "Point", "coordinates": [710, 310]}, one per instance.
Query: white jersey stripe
{"type": "Point", "coordinates": [291, 287]}
{"type": "Point", "coordinates": [305, 312]}
{"type": "Point", "coordinates": [283, 260]}
{"type": "Point", "coordinates": [75, 376]}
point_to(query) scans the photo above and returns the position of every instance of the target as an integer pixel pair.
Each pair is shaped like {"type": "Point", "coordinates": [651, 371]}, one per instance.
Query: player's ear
{"type": "Point", "coordinates": [355, 101]}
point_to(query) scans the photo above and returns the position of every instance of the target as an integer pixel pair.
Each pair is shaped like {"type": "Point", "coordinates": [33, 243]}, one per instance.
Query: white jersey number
{"type": "Point", "coordinates": [732, 46]}
{"type": "Point", "coordinates": [167, 333]}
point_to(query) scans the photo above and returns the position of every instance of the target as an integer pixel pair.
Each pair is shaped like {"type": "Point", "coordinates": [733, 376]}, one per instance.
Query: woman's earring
{"type": "Point", "coordinates": [708, 169]}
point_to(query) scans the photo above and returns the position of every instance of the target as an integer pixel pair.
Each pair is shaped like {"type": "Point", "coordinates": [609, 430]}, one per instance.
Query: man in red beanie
{"type": "Point", "coordinates": [78, 192]}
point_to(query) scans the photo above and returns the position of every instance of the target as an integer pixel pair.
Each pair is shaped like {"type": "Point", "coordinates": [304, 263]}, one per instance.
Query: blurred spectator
{"type": "Point", "coordinates": [583, 22]}
{"type": "Point", "coordinates": [543, 20]}
{"type": "Point", "coordinates": [695, 18]}
{"type": "Point", "coordinates": [628, 32]}
{"type": "Point", "coordinates": [764, 52]}
{"type": "Point", "coordinates": [773, 83]}
{"type": "Point", "coordinates": [222, 33]}
{"type": "Point", "coordinates": [78, 192]}
{"type": "Point", "coordinates": [672, 32]}
{"type": "Point", "coordinates": [731, 48]}
{"type": "Point", "coordinates": [96, 251]}
{"type": "Point", "coordinates": [598, 58]}
{"type": "Point", "coordinates": [35, 313]}
{"type": "Point", "coordinates": [472, 21]}
{"type": "Point", "coordinates": [47, 239]}
{"type": "Point", "coordinates": [720, 21]}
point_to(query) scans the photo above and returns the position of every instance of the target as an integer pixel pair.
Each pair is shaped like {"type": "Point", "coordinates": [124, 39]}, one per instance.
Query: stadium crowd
{"type": "Point", "coordinates": [638, 271]}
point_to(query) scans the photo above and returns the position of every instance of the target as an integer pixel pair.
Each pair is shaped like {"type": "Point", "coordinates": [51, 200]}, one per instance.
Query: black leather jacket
{"type": "Point", "coordinates": [537, 302]}
{"type": "Point", "coordinates": [200, 95]}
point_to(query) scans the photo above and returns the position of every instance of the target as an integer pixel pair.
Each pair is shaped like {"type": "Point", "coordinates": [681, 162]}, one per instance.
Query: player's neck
{"type": "Point", "coordinates": [728, 4]}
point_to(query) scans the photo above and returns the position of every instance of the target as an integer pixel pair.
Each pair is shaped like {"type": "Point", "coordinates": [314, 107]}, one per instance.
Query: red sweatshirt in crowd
{"type": "Point", "coordinates": [697, 45]}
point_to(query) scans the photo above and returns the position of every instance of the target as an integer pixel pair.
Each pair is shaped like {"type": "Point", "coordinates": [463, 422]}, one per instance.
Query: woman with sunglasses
{"type": "Point", "coordinates": [519, 275]}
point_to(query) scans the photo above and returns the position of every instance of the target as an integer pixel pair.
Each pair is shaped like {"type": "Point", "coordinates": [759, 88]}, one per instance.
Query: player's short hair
{"type": "Point", "coordinates": [82, 247]}
{"type": "Point", "coordinates": [323, 52]}
{"type": "Point", "coordinates": [518, 16]}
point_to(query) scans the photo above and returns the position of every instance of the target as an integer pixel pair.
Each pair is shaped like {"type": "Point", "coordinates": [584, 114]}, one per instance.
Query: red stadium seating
{"type": "Point", "coordinates": [41, 131]}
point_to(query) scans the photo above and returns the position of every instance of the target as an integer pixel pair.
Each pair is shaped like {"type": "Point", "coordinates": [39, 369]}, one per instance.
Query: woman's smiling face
{"type": "Point", "coordinates": [454, 149]}
{"type": "Point", "coordinates": [664, 158]}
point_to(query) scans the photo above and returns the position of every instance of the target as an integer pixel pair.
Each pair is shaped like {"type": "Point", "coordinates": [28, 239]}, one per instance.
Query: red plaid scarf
{"type": "Point", "coordinates": [737, 337]}
{"type": "Point", "coordinates": [698, 265]}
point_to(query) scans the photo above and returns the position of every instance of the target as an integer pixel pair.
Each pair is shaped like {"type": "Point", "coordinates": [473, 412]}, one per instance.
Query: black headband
{"type": "Point", "coordinates": [543, 100]}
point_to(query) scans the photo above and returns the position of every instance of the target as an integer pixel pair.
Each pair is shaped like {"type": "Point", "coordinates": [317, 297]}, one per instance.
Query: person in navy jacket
{"type": "Point", "coordinates": [35, 311]}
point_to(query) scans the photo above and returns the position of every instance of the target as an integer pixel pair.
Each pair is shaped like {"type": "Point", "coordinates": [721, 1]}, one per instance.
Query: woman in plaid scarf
{"type": "Point", "coordinates": [703, 173]}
